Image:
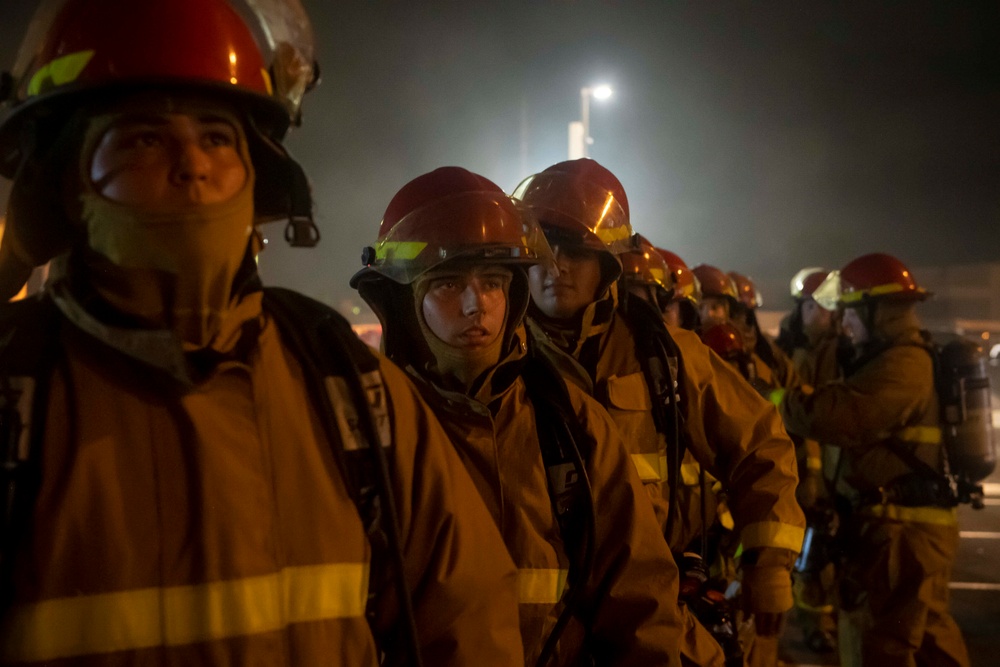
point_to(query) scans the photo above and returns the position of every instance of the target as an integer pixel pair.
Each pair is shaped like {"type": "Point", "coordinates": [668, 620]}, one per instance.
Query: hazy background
{"type": "Point", "coordinates": [760, 137]}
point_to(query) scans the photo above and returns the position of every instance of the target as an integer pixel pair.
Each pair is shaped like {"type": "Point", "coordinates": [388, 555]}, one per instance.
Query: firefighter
{"type": "Point", "coordinates": [192, 485]}
{"type": "Point", "coordinates": [774, 367]}
{"type": "Point", "coordinates": [583, 210]}
{"type": "Point", "coordinates": [810, 333]}
{"type": "Point", "coordinates": [648, 276]}
{"type": "Point", "coordinates": [452, 314]}
{"type": "Point", "coordinates": [810, 337]}
{"type": "Point", "coordinates": [901, 538]}
{"type": "Point", "coordinates": [682, 310]}
{"type": "Point", "coordinates": [719, 296]}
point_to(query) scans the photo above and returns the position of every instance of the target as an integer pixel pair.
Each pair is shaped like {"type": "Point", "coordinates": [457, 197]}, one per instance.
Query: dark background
{"type": "Point", "coordinates": [761, 137]}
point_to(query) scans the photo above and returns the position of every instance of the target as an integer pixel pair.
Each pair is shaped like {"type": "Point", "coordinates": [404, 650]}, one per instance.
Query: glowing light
{"type": "Point", "coordinates": [601, 92]}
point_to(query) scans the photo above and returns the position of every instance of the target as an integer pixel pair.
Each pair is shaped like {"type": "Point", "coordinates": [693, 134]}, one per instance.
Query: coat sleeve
{"type": "Point", "coordinates": [738, 437]}
{"type": "Point", "coordinates": [462, 580]}
{"type": "Point", "coordinates": [635, 618]}
{"type": "Point", "coordinates": [867, 406]}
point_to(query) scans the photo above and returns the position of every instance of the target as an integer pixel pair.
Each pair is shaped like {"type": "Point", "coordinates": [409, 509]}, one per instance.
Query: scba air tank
{"type": "Point", "coordinates": [968, 422]}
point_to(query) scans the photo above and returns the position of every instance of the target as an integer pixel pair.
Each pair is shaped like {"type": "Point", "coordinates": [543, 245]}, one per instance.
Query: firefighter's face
{"type": "Point", "coordinates": [652, 294]}
{"type": "Point", "coordinates": [816, 320]}
{"type": "Point", "coordinates": [569, 285]}
{"type": "Point", "coordinates": [466, 307]}
{"type": "Point", "coordinates": [167, 161]}
{"type": "Point", "coordinates": [854, 326]}
{"type": "Point", "coordinates": [672, 314]}
{"type": "Point", "coordinates": [714, 310]}
{"type": "Point", "coordinates": [741, 320]}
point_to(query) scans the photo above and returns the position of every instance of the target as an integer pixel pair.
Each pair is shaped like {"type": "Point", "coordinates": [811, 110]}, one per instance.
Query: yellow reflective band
{"type": "Point", "coordinates": [773, 534]}
{"type": "Point", "coordinates": [399, 249]}
{"type": "Point", "coordinates": [540, 586]}
{"type": "Point", "coordinates": [939, 516]}
{"type": "Point", "coordinates": [60, 71]}
{"type": "Point", "coordinates": [651, 467]}
{"type": "Point", "coordinates": [611, 234]}
{"type": "Point", "coordinates": [878, 290]}
{"type": "Point", "coordinates": [690, 473]}
{"type": "Point", "coordinates": [149, 617]}
{"type": "Point", "coordinates": [928, 435]}
{"type": "Point", "coordinates": [776, 396]}
{"type": "Point", "coordinates": [821, 609]}
{"type": "Point", "coordinates": [814, 463]}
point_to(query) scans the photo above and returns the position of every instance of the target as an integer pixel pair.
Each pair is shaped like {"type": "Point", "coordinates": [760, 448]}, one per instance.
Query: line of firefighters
{"type": "Point", "coordinates": [549, 464]}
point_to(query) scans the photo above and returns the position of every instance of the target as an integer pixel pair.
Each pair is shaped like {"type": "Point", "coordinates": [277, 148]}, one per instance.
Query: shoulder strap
{"type": "Point", "coordinates": [346, 387]}
{"type": "Point", "coordinates": [566, 447]}
{"type": "Point", "coordinates": [663, 367]}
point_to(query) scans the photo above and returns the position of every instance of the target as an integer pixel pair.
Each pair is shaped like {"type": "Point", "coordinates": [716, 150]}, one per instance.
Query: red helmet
{"type": "Point", "coordinates": [686, 285]}
{"type": "Point", "coordinates": [259, 54]}
{"type": "Point", "coordinates": [449, 213]}
{"type": "Point", "coordinates": [876, 276]}
{"type": "Point", "coordinates": [579, 201]}
{"type": "Point", "coordinates": [806, 281]}
{"type": "Point", "coordinates": [644, 265]}
{"type": "Point", "coordinates": [749, 296]}
{"type": "Point", "coordinates": [714, 282]}
{"type": "Point", "coordinates": [725, 340]}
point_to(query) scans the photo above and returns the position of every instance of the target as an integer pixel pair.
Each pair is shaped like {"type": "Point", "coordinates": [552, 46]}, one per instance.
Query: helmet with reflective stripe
{"type": "Point", "coordinates": [580, 202]}
{"type": "Point", "coordinates": [747, 292]}
{"type": "Point", "coordinates": [257, 54]}
{"type": "Point", "coordinates": [446, 214]}
{"type": "Point", "coordinates": [686, 285]}
{"type": "Point", "coordinates": [644, 265]}
{"type": "Point", "coordinates": [715, 283]}
{"type": "Point", "coordinates": [878, 276]}
{"type": "Point", "coordinates": [805, 282]}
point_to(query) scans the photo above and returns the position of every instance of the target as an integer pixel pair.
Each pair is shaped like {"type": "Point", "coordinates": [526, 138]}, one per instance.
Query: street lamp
{"type": "Point", "coordinates": [579, 130]}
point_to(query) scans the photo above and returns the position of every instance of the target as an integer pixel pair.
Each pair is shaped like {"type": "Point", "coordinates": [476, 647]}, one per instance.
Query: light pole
{"type": "Point", "coordinates": [579, 130]}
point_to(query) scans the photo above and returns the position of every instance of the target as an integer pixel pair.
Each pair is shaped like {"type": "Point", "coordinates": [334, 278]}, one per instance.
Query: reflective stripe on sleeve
{"type": "Point", "coordinates": [928, 435]}
{"type": "Point", "coordinates": [772, 534]}
{"type": "Point", "coordinates": [540, 586]}
{"type": "Point", "coordinates": [148, 617]}
{"type": "Point", "coordinates": [821, 609]}
{"type": "Point", "coordinates": [938, 516]}
{"type": "Point", "coordinates": [651, 467]}
{"type": "Point", "coordinates": [776, 396]}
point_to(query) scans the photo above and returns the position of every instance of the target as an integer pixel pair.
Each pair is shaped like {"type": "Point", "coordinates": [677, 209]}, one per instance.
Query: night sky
{"type": "Point", "coordinates": [760, 137]}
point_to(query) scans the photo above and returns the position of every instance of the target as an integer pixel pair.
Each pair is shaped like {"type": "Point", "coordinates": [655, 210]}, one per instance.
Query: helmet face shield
{"type": "Point", "coordinates": [289, 46]}
{"type": "Point", "coordinates": [829, 292]}
{"type": "Point", "coordinates": [576, 206]}
{"type": "Point", "coordinates": [805, 282]}
{"type": "Point", "coordinates": [483, 226]}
